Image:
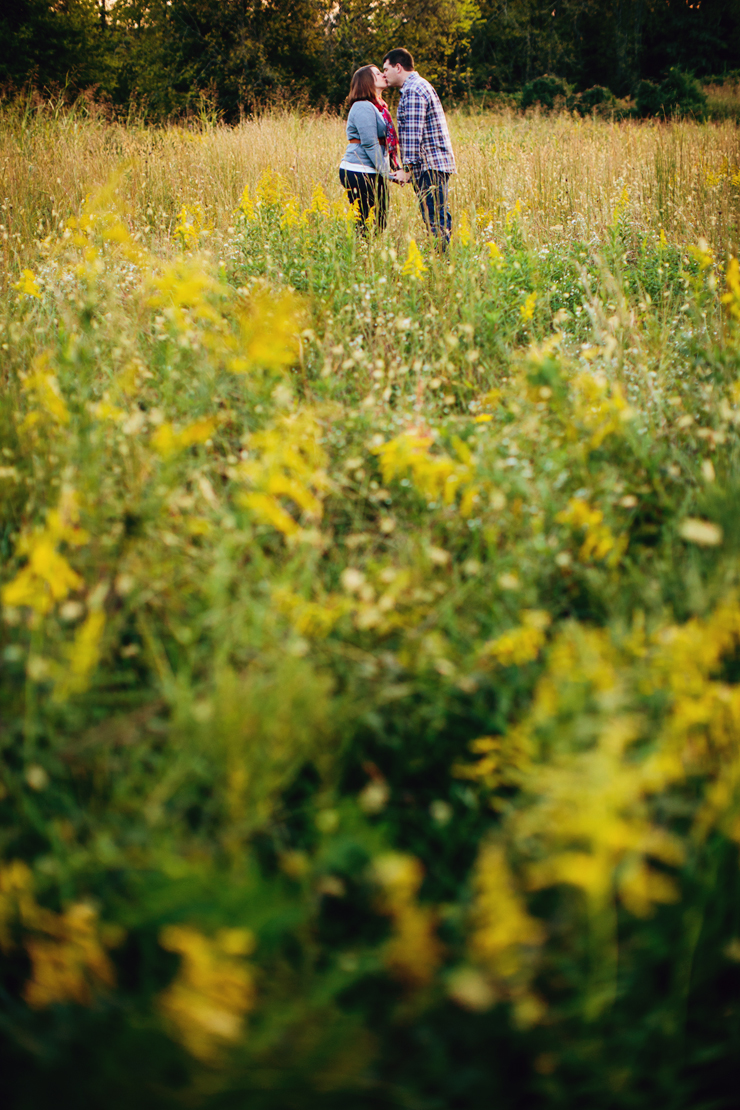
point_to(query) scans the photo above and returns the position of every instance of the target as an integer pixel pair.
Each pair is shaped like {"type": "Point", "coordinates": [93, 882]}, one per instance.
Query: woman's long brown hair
{"type": "Point", "coordinates": [362, 86]}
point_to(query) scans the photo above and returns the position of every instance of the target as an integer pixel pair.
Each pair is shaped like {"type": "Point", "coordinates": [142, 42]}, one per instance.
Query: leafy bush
{"type": "Point", "coordinates": [545, 91]}
{"type": "Point", "coordinates": [597, 99]}
{"type": "Point", "coordinates": [679, 94]}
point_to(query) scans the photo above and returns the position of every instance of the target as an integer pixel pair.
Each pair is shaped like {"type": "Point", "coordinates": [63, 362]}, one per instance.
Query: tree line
{"type": "Point", "coordinates": [161, 57]}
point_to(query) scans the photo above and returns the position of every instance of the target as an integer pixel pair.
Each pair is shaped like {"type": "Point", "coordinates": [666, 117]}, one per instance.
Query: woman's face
{"type": "Point", "coordinates": [381, 81]}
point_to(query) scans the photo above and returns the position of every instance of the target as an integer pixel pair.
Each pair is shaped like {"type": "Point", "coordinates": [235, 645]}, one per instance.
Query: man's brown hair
{"type": "Point", "coordinates": [362, 86]}
{"type": "Point", "coordinates": [399, 57]}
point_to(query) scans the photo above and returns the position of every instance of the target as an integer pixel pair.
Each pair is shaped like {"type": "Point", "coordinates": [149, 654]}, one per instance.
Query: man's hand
{"type": "Point", "coordinates": [401, 177]}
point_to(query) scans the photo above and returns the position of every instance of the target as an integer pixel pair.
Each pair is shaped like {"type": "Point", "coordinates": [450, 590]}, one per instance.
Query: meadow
{"type": "Point", "coordinates": [370, 641]}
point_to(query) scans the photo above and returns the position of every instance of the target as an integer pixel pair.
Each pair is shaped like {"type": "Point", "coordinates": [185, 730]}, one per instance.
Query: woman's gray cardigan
{"type": "Point", "coordinates": [365, 123]}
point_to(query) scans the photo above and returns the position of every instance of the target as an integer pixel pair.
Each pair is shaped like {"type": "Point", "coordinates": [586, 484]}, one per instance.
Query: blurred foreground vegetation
{"type": "Point", "coordinates": [369, 691]}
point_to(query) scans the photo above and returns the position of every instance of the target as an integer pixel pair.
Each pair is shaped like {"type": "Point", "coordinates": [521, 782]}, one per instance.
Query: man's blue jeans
{"type": "Point", "coordinates": [432, 188]}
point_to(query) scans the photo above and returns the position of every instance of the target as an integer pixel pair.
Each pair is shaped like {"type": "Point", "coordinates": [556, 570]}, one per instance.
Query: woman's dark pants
{"type": "Point", "coordinates": [370, 190]}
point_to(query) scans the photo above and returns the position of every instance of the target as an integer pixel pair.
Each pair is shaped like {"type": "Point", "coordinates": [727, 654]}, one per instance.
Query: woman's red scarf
{"type": "Point", "coordinates": [391, 135]}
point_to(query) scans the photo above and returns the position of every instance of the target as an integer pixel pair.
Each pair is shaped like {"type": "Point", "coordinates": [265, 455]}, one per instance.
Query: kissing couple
{"type": "Point", "coordinates": [420, 152]}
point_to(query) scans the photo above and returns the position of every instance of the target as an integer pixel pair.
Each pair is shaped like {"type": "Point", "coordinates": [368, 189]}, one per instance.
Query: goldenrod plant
{"type": "Point", "coordinates": [369, 700]}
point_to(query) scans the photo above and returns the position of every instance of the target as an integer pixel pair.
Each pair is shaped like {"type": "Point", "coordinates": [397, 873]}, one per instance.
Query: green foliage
{"type": "Point", "coordinates": [614, 44]}
{"type": "Point", "coordinates": [229, 58]}
{"type": "Point", "coordinates": [43, 43]}
{"type": "Point", "coordinates": [544, 90]}
{"type": "Point", "coordinates": [437, 33]}
{"type": "Point", "coordinates": [369, 685]}
{"type": "Point", "coordinates": [553, 93]}
{"type": "Point", "coordinates": [678, 95]}
{"type": "Point", "coordinates": [596, 100]}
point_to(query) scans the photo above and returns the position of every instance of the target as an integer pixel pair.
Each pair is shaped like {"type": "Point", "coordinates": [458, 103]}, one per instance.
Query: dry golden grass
{"type": "Point", "coordinates": [723, 100]}
{"type": "Point", "coordinates": [567, 175]}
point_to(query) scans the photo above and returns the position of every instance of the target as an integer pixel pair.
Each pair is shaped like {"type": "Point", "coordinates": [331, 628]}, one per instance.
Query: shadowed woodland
{"type": "Point", "coordinates": [163, 57]}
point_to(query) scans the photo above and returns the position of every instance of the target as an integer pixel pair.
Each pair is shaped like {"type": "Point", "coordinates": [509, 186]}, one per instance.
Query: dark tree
{"type": "Point", "coordinates": [47, 43]}
{"type": "Point", "coordinates": [166, 55]}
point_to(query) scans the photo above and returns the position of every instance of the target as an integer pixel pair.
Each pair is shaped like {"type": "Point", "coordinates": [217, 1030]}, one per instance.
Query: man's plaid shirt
{"type": "Point", "coordinates": [422, 128]}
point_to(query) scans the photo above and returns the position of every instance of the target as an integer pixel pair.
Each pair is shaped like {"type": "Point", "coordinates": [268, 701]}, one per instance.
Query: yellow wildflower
{"type": "Point", "coordinates": [83, 656]}
{"type": "Point", "coordinates": [503, 938]}
{"type": "Point", "coordinates": [620, 207]}
{"type": "Point", "coordinates": [288, 462]}
{"type": "Point", "coordinates": [599, 541]}
{"type": "Point", "coordinates": [104, 410]}
{"type": "Point", "coordinates": [291, 214]}
{"type": "Point", "coordinates": [527, 309]}
{"type": "Point", "coordinates": [500, 923]}
{"type": "Point", "coordinates": [732, 280]}
{"type": "Point", "coordinates": [703, 254]}
{"type": "Point", "coordinates": [514, 214]}
{"type": "Point", "coordinates": [47, 577]}
{"type": "Point", "coordinates": [166, 441]}
{"type": "Point", "coordinates": [319, 205]}
{"type": "Point", "coordinates": [270, 511]}
{"type": "Point", "coordinates": [414, 266]}
{"type": "Point", "coordinates": [183, 290]}
{"type": "Point", "coordinates": [464, 233]}
{"type": "Point", "coordinates": [67, 950]}
{"type": "Point", "coordinates": [520, 645]}
{"type": "Point", "coordinates": [271, 188]}
{"type": "Point", "coordinates": [17, 902]}
{"type": "Point", "coordinates": [28, 285]}
{"type": "Point", "coordinates": [584, 843]}
{"type": "Point", "coordinates": [246, 205]}
{"type": "Point", "coordinates": [68, 961]}
{"type": "Point", "coordinates": [413, 953]}
{"type": "Point", "coordinates": [599, 407]}
{"type": "Point", "coordinates": [314, 619]}
{"type": "Point", "coordinates": [41, 385]}
{"type": "Point", "coordinates": [213, 990]}
{"type": "Point", "coordinates": [268, 331]}
{"type": "Point", "coordinates": [191, 225]}
{"type": "Point", "coordinates": [348, 213]}
{"type": "Point", "coordinates": [437, 477]}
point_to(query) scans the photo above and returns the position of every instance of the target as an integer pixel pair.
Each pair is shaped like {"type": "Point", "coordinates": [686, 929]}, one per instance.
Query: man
{"type": "Point", "coordinates": [426, 150]}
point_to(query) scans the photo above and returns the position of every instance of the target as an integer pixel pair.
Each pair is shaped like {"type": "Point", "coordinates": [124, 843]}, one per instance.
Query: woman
{"type": "Point", "coordinates": [371, 141]}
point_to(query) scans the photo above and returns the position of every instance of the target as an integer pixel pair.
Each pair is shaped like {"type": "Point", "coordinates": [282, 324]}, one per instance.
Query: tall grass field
{"type": "Point", "coordinates": [370, 639]}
